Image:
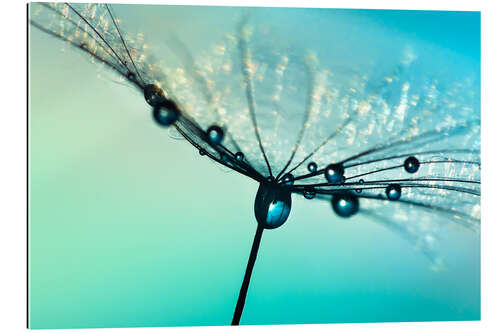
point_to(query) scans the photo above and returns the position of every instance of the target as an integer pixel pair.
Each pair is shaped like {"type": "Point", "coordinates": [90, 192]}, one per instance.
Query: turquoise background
{"type": "Point", "coordinates": [130, 227]}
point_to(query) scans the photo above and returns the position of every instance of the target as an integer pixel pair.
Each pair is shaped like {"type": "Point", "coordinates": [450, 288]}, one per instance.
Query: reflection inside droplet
{"type": "Point", "coordinates": [272, 205]}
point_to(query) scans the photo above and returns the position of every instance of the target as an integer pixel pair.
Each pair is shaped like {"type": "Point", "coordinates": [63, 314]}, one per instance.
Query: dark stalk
{"type": "Point", "coordinates": [248, 274]}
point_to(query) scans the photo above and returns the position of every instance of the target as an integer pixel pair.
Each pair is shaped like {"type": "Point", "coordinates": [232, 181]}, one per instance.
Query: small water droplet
{"type": "Point", "coordinates": [361, 182]}
{"type": "Point", "coordinates": [153, 94]}
{"type": "Point", "coordinates": [312, 167]}
{"type": "Point", "coordinates": [345, 204]}
{"type": "Point", "coordinates": [393, 192]}
{"type": "Point", "coordinates": [270, 179]}
{"type": "Point", "coordinates": [309, 193]}
{"type": "Point", "coordinates": [334, 173]}
{"type": "Point", "coordinates": [130, 76]}
{"type": "Point", "coordinates": [166, 113]}
{"type": "Point", "coordinates": [215, 134]}
{"type": "Point", "coordinates": [288, 179]}
{"type": "Point", "coordinates": [202, 152]}
{"type": "Point", "coordinates": [411, 164]}
{"type": "Point", "coordinates": [239, 156]}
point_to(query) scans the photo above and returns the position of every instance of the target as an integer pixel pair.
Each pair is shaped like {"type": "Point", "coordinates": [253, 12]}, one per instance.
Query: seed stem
{"type": "Point", "coordinates": [248, 274]}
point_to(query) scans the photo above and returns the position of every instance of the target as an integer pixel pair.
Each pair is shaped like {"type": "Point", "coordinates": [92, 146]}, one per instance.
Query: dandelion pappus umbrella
{"type": "Point", "coordinates": [367, 139]}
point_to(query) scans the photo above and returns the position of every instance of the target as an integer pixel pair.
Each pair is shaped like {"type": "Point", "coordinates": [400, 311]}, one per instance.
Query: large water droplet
{"type": "Point", "coordinates": [412, 164]}
{"type": "Point", "coordinates": [312, 167]}
{"type": "Point", "coordinates": [393, 192]}
{"type": "Point", "coordinates": [153, 94]}
{"type": "Point", "coordinates": [215, 134]}
{"type": "Point", "coordinates": [345, 204]}
{"type": "Point", "coordinates": [334, 173]}
{"type": "Point", "coordinates": [166, 113]}
{"type": "Point", "coordinates": [272, 205]}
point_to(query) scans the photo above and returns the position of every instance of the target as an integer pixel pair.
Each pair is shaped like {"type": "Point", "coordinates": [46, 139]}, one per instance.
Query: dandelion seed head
{"type": "Point", "coordinates": [401, 127]}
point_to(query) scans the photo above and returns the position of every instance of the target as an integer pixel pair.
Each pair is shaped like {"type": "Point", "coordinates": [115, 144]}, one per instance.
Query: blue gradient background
{"type": "Point", "coordinates": [129, 227]}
